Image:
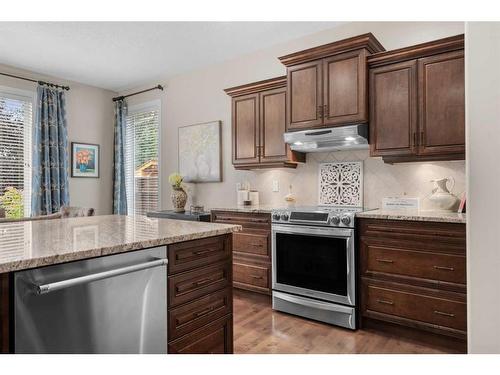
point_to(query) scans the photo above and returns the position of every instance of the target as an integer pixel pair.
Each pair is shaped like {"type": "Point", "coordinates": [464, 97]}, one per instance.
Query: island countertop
{"type": "Point", "coordinates": [31, 244]}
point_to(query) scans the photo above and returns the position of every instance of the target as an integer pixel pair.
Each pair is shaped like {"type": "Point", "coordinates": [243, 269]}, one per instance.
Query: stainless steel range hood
{"type": "Point", "coordinates": [350, 137]}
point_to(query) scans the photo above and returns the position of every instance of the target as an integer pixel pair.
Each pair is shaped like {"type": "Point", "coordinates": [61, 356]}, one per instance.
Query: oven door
{"type": "Point", "coordinates": [315, 262]}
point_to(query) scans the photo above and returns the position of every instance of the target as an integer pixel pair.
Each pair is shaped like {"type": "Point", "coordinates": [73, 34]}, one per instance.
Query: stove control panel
{"type": "Point", "coordinates": [323, 218]}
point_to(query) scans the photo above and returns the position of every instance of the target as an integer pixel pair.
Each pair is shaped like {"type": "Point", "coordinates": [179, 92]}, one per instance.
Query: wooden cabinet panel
{"type": "Point", "coordinates": [187, 286]}
{"type": "Point", "coordinates": [393, 109]}
{"type": "Point", "coordinates": [251, 276]}
{"type": "Point", "coordinates": [248, 221]}
{"type": "Point", "coordinates": [273, 125]}
{"type": "Point", "coordinates": [416, 305]}
{"type": "Point", "coordinates": [305, 87]}
{"type": "Point", "coordinates": [214, 338]}
{"type": "Point", "coordinates": [200, 296]}
{"type": "Point", "coordinates": [5, 309]}
{"type": "Point", "coordinates": [252, 242]}
{"type": "Point", "coordinates": [259, 121]}
{"type": "Point", "coordinates": [389, 260]}
{"type": "Point", "coordinates": [442, 103]}
{"type": "Point", "coordinates": [246, 129]}
{"type": "Point", "coordinates": [345, 88]}
{"type": "Point", "coordinates": [418, 113]}
{"type": "Point", "coordinates": [190, 254]}
{"type": "Point", "coordinates": [196, 314]}
{"type": "Point", "coordinates": [413, 277]}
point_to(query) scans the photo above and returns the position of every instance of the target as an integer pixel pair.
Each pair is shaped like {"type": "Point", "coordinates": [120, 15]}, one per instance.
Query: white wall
{"type": "Point", "coordinates": [482, 55]}
{"type": "Point", "coordinates": [89, 112]}
{"type": "Point", "coordinates": [199, 97]}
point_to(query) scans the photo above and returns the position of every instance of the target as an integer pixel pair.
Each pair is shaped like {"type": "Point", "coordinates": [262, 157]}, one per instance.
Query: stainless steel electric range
{"type": "Point", "coordinates": [313, 266]}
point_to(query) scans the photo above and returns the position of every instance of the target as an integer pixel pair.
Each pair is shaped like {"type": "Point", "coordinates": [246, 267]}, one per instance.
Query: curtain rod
{"type": "Point", "coordinates": [159, 87]}
{"type": "Point", "coordinates": [36, 81]}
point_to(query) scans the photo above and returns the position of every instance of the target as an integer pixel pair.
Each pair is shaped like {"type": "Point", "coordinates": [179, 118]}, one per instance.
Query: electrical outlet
{"type": "Point", "coordinates": [276, 186]}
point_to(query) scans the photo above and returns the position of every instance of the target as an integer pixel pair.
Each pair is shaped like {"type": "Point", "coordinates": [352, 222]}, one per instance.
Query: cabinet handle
{"type": "Point", "coordinates": [386, 302]}
{"type": "Point", "coordinates": [444, 314]}
{"type": "Point", "coordinates": [415, 139]}
{"type": "Point", "coordinates": [199, 252]}
{"type": "Point", "coordinates": [385, 261]}
{"type": "Point", "coordinates": [256, 277]}
{"type": "Point", "coordinates": [325, 110]}
{"type": "Point", "coordinates": [421, 138]}
{"type": "Point", "coordinates": [320, 111]}
{"type": "Point", "coordinates": [203, 312]}
{"type": "Point", "coordinates": [202, 282]}
{"type": "Point", "coordinates": [256, 244]}
{"type": "Point", "coordinates": [444, 268]}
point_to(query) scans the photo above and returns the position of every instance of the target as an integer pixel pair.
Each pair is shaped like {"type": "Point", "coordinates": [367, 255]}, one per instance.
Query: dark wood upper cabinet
{"type": "Point", "coordinates": [344, 94]}
{"type": "Point", "coordinates": [327, 85]}
{"type": "Point", "coordinates": [393, 116]}
{"type": "Point", "coordinates": [246, 129]}
{"type": "Point", "coordinates": [258, 123]}
{"type": "Point", "coordinates": [417, 102]}
{"type": "Point", "coordinates": [305, 93]}
{"type": "Point", "coordinates": [442, 103]}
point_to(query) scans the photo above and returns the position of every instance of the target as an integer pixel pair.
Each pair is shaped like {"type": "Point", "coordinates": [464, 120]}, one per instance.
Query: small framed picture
{"type": "Point", "coordinates": [84, 160]}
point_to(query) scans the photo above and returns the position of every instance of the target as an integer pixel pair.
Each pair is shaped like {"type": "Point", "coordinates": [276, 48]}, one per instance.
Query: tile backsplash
{"type": "Point", "coordinates": [380, 179]}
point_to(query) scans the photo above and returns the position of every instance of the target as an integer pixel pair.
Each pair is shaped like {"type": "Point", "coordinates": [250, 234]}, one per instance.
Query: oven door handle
{"type": "Point", "coordinates": [313, 231]}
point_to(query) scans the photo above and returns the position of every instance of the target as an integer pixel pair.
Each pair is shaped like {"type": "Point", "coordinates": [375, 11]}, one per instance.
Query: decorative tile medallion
{"type": "Point", "coordinates": [341, 184]}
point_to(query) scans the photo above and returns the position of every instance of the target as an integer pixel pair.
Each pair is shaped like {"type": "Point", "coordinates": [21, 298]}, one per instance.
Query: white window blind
{"type": "Point", "coordinates": [141, 159]}
{"type": "Point", "coordinates": [16, 117]}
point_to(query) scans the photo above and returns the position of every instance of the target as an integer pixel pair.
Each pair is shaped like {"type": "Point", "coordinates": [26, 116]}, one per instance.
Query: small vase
{"type": "Point", "coordinates": [179, 198]}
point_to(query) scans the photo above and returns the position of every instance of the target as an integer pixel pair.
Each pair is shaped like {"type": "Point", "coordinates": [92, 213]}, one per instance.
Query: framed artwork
{"type": "Point", "coordinates": [84, 160]}
{"type": "Point", "coordinates": [200, 152]}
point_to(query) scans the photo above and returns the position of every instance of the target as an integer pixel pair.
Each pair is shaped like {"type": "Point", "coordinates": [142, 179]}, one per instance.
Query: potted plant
{"type": "Point", "coordinates": [179, 196]}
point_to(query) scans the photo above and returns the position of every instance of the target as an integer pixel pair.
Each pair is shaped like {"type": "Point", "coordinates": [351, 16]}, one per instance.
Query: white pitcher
{"type": "Point", "coordinates": [441, 197]}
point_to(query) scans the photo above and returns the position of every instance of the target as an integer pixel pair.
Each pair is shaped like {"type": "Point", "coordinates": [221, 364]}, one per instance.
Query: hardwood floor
{"type": "Point", "coordinates": [260, 330]}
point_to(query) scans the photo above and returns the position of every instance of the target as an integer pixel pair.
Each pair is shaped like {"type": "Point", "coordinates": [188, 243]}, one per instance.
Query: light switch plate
{"type": "Point", "coordinates": [276, 186]}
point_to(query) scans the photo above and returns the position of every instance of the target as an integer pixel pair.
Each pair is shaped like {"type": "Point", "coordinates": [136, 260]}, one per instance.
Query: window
{"type": "Point", "coordinates": [141, 158]}
{"type": "Point", "coordinates": [16, 117]}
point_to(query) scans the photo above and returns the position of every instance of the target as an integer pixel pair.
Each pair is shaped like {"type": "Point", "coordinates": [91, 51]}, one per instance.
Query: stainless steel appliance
{"type": "Point", "coordinates": [313, 266]}
{"type": "Point", "coordinates": [350, 137]}
{"type": "Point", "coordinates": [111, 304]}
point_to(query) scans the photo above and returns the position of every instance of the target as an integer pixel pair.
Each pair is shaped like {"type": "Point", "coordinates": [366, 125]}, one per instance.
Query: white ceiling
{"type": "Point", "coordinates": [123, 55]}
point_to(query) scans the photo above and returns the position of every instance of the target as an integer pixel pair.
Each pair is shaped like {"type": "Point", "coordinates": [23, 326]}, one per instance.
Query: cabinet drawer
{"type": "Point", "coordinates": [251, 243]}
{"type": "Point", "coordinates": [196, 314]}
{"type": "Point", "coordinates": [191, 254]}
{"type": "Point", "coordinates": [402, 262]}
{"type": "Point", "coordinates": [416, 306]}
{"type": "Point", "coordinates": [418, 235]}
{"type": "Point", "coordinates": [247, 220]}
{"type": "Point", "coordinates": [214, 338]}
{"type": "Point", "coordinates": [251, 275]}
{"type": "Point", "coordinates": [187, 286]}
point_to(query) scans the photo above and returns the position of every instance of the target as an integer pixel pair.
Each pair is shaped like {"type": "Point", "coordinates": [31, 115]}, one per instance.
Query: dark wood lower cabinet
{"type": "Point", "coordinates": [200, 304]}
{"type": "Point", "coordinates": [251, 249]}
{"type": "Point", "coordinates": [4, 313]}
{"type": "Point", "coordinates": [214, 338]}
{"type": "Point", "coordinates": [412, 280]}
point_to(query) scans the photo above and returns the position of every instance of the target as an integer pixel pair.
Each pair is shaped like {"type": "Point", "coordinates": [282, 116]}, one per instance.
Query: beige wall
{"type": "Point", "coordinates": [199, 97]}
{"type": "Point", "coordinates": [89, 112]}
{"type": "Point", "coordinates": [483, 142]}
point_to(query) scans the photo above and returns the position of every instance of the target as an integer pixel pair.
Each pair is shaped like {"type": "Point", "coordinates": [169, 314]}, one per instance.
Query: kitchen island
{"type": "Point", "coordinates": [199, 268]}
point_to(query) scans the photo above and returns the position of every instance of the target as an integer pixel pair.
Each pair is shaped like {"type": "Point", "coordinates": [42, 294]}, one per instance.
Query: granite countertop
{"type": "Point", "coordinates": [414, 215]}
{"type": "Point", "coordinates": [30, 244]}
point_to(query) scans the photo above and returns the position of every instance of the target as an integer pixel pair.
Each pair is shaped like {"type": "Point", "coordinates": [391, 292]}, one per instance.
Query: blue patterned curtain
{"type": "Point", "coordinates": [50, 153]}
{"type": "Point", "coordinates": [119, 191]}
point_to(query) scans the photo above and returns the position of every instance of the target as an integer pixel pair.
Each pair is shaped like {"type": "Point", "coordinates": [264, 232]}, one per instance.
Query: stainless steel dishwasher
{"type": "Point", "coordinates": [111, 304]}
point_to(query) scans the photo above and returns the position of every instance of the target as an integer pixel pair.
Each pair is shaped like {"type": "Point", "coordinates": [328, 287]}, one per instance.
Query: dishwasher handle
{"type": "Point", "coordinates": [58, 285]}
